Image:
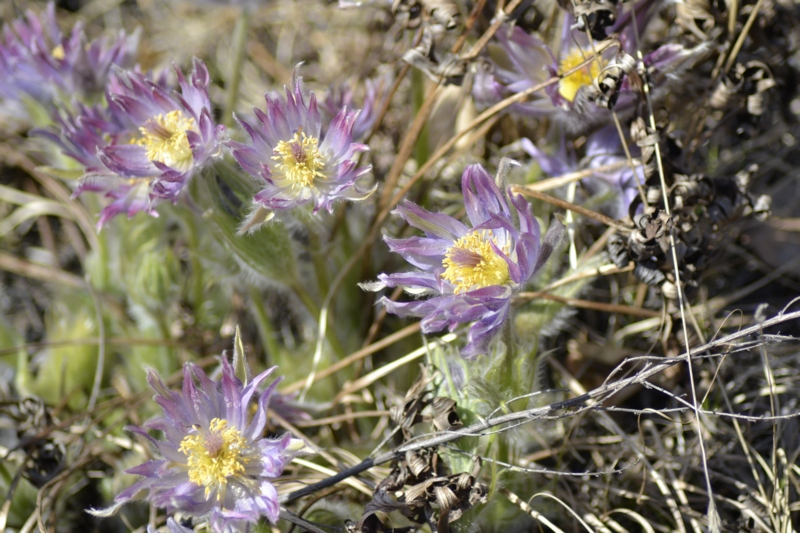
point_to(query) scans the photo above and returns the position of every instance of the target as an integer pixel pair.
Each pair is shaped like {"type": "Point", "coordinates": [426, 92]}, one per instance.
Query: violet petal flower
{"type": "Point", "coordinates": [519, 61]}
{"type": "Point", "coordinates": [144, 145]}
{"type": "Point", "coordinates": [214, 462]}
{"type": "Point", "coordinates": [470, 272]}
{"type": "Point", "coordinates": [81, 134]}
{"type": "Point", "coordinates": [293, 161]}
{"type": "Point", "coordinates": [176, 134]}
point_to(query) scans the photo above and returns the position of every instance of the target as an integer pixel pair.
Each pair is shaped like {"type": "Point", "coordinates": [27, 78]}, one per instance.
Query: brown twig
{"type": "Point", "coordinates": [587, 304]}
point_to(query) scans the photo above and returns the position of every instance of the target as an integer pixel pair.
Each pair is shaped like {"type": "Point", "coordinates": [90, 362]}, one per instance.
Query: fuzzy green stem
{"type": "Point", "coordinates": [239, 46]}
{"type": "Point", "coordinates": [193, 242]}
{"type": "Point", "coordinates": [508, 365]}
{"type": "Point", "coordinates": [102, 262]}
{"type": "Point", "coordinates": [314, 309]}
{"type": "Point", "coordinates": [265, 329]}
{"type": "Point", "coordinates": [318, 259]}
{"type": "Point", "coordinates": [305, 298]}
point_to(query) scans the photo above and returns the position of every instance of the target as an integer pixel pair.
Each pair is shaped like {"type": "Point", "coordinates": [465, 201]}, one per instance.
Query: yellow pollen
{"type": "Point", "coordinates": [164, 137]}
{"type": "Point", "coordinates": [214, 456]}
{"type": "Point", "coordinates": [300, 159]}
{"type": "Point", "coordinates": [569, 85]}
{"type": "Point", "coordinates": [471, 263]}
{"type": "Point", "coordinates": [58, 52]}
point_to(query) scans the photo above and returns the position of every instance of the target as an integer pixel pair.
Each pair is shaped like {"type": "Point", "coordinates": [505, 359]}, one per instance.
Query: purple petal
{"type": "Point", "coordinates": [433, 224]}
{"type": "Point", "coordinates": [486, 200]}
{"type": "Point", "coordinates": [483, 331]}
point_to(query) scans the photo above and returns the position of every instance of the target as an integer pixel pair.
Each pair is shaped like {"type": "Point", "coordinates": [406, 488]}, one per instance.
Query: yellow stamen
{"type": "Point", "coordinates": [214, 456]}
{"type": "Point", "coordinates": [164, 136]}
{"type": "Point", "coordinates": [569, 85]}
{"type": "Point", "coordinates": [58, 52]}
{"type": "Point", "coordinates": [300, 159]}
{"type": "Point", "coordinates": [471, 263]}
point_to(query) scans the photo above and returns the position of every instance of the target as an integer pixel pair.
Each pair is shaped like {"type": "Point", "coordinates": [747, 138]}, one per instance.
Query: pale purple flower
{"type": "Point", "coordinates": [214, 462]}
{"type": "Point", "coordinates": [293, 160]}
{"type": "Point", "coordinates": [144, 145]}
{"type": "Point", "coordinates": [517, 61]}
{"type": "Point", "coordinates": [39, 62]}
{"type": "Point", "coordinates": [469, 272]}
{"type": "Point", "coordinates": [520, 61]}
{"type": "Point", "coordinates": [603, 148]}
{"type": "Point", "coordinates": [174, 134]}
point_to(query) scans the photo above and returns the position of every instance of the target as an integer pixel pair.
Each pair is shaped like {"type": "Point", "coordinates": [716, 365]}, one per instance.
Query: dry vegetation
{"type": "Point", "coordinates": [646, 378]}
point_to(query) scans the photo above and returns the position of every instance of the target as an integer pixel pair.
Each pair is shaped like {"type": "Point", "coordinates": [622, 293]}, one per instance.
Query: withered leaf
{"type": "Point", "coordinates": [445, 416]}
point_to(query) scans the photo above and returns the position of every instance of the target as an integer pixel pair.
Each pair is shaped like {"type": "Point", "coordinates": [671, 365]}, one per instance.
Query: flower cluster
{"type": "Point", "coordinates": [214, 461]}
{"type": "Point", "coordinates": [294, 162]}
{"type": "Point", "coordinates": [469, 272]}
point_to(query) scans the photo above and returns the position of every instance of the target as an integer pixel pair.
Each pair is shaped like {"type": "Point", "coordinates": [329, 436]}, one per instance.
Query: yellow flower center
{"type": "Point", "coordinates": [300, 159]}
{"type": "Point", "coordinates": [58, 52]}
{"type": "Point", "coordinates": [568, 86]}
{"type": "Point", "coordinates": [164, 137]}
{"type": "Point", "coordinates": [471, 263]}
{"type": "Point", "coordinates": [214, 456]}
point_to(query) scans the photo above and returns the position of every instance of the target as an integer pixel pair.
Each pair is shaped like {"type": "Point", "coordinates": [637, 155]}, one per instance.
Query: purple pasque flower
{"type": "Point", "coordinates": [517, 61]}
{"type": "Point", "coordinates": [39, 62]}
{"type": "Point", "coordinates": [92, 131]}
{"type": "Point", "coordinates": [603, 149]}
{"type": "Point", "coordinates": [214, 462]}
{"type": "Point", "coordinates": [294, 161]}
{"type": "Point", "coordinates": [520, 61]}
{"type": "Point", "coordinates": [172, 135]}
{"type": "Point", "coordinates": [469, 272]}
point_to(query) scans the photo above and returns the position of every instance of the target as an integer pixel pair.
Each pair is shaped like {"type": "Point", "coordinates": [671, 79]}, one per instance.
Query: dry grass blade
{"type": "Point", "coordinates": [536, 515]}
{"type": "Point", "coordinates": [356, 356]}
{"type": "Point", "coordinates": [391, 367]}
{"type": "Point", "coordinates": [587, 304]}
{"type": "Point", "coordinates": [566, 179]}
{"type": "Point", "coordinates": [59, 192]}
{"type": "Point", "coordinates": [28, 269]}
{"type": "Point", "coordinates": [639, 519]}
{"type": "Point", "coordinates": [566, 507]}
{"type": "Point", "coordinates": [558, 202]}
